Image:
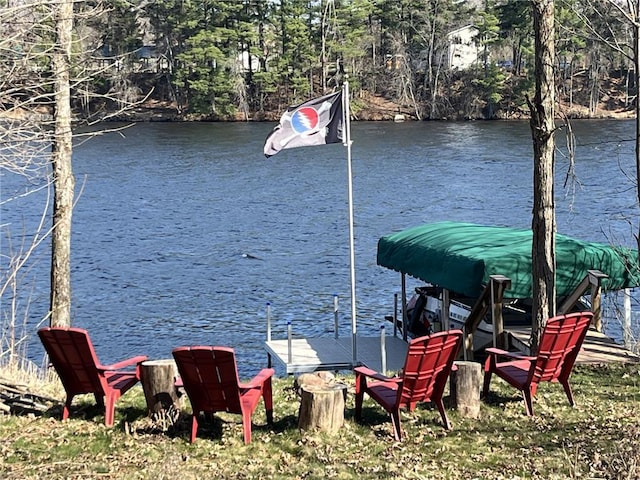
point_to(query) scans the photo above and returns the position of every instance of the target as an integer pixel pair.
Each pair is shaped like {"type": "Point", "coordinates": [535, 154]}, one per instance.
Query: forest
{"type": "Point", "coordinates": [250, 59]}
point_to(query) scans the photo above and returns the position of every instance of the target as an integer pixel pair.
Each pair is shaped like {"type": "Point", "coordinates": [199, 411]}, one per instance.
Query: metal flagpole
{"type": "Point", "coordinates": [347, 143]}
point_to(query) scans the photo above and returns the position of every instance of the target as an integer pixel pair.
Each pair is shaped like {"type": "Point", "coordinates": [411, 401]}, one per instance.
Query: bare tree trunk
{"type": "Point", "coordinates": [594, 89]}
{"type": "Point", "coordinates": [60, 307]}
{"type": "Point", "coordinates": [542, 129]}
{"type": "Point", "coordinates": [326, 12]}
{"type": "Point", "coordinates": [636, 65]}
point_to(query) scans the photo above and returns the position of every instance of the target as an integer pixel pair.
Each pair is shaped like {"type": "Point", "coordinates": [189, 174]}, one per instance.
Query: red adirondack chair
{"type": "Point", "coordinates": [72, 355]}
{"type": "Point", "coordinates": [424, 377]}
{"type": "Point", "coordinates": [209, 376]}
{"type": "Point", "coordinates": [560, 344]}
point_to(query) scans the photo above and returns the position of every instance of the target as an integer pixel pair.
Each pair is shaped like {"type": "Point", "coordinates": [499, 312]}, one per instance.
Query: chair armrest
{"type": "Point", "coordinates": [503, 353]}
{"type": "Point", "coordinates": [259, 379]}
{"type": "Point", "coordinates": [367, 372]}
{"type": "Point", "coordinates": [124, 363]}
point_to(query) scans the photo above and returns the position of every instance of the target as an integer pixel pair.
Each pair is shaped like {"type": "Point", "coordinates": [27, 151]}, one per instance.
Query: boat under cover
{"type": "Point", "coordinates": [462, 256]}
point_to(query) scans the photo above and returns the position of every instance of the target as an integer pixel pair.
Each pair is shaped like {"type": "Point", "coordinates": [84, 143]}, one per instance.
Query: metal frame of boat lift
{"type": "Point", "coordinates": [387, 353]}
{"type": "Point", "coordinates": [492, 297]}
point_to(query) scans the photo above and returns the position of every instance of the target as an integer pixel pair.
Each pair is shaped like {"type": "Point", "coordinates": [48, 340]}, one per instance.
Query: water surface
{"type": "Point", "coordinates": [183, 232]}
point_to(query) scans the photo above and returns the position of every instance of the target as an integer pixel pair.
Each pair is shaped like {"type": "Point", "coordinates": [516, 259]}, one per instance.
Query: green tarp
{"type": "Point", "coordinates": [462, 256]}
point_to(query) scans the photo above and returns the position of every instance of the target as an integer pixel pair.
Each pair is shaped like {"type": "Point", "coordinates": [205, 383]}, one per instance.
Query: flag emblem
{"type": "Point", "coordinates": [305, 120]}
{"type": "Point", "coordinates": [316, 122]}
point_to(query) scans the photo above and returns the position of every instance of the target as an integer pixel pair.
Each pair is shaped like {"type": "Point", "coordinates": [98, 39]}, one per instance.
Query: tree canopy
{"type": "Point", "coordinates": [249, 59]}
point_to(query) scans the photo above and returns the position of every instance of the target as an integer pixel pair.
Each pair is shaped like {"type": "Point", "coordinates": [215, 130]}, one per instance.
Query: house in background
{"type": "Point", "coordinates": [463, 51]}
{"type": "Point", "coordinates": [248, 62]}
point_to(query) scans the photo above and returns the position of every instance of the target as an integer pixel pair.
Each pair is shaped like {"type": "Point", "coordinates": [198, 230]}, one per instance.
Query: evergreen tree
{"type": "Point", "coordinates": [492, 80]}
{"type": "Point", "coordinates": [204, 70]}
{"type": "Point", "coordinates": [516, 27]}
{"type": "Point", "coordinates": [219, 58]}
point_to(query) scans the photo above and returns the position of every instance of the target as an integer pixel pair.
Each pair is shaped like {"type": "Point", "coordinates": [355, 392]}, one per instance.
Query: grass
{"type": "Point", "coordinates": [598, 438]}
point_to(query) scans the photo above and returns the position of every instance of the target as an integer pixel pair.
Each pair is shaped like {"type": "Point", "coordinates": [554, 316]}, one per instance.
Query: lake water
{"type": "Point", "coordinates": [183, 232]}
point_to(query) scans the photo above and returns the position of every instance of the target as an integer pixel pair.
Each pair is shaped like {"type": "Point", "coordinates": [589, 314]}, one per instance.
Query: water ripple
{"type": "Point", "coordinates": [184, 232]}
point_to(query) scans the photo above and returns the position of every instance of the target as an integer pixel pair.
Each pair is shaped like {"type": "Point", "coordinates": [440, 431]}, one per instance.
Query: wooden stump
{"type": "Point", "coordinates": [466, 382]}
{"type": "Point", "coordinates": [321, 403]}
{"type": "Point", "coordinates": [158, 382]}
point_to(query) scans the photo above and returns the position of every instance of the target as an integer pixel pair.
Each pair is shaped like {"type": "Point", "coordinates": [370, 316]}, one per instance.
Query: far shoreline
{"type": "Point", "coordinates": [152, 116]}
{"type": "Point", "coordinates": [164, 112]}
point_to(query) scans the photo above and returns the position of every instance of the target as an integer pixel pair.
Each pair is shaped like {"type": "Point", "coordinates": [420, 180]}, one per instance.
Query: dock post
{"type": "Point", "coordinates": [445, 317]}
{"type": "Point", "coordinates": [268, 322]}
{"type": "Point", "coordinates": [405, 319]}
{"type": "Point", "coordinates": [626, 322]}
{"type": "Point", "coordinates": [468, 343]}
{"type": "Point", "coordinates": [289, 346]}
{"type": "Point", "coordinates": [395, 314]}
{"type": "Point", "coordinates": [335, 316]}
{"type": "Point", "coordinates": [383, 351]}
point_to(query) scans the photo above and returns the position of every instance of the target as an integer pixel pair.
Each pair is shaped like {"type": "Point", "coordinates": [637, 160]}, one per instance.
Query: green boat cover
{"type": "Point", "coordinates": [462, 256]}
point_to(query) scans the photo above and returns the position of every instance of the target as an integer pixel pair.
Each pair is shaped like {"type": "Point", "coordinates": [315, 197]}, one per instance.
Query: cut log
{"type": "Point", "coordinates": [322, 407]}
{"type": "Point", "coordinates": [317, 378]}
{"type": "Point", "coordinates": [466, 382]}
{"type": "Point", "coordinates": [158, 383]}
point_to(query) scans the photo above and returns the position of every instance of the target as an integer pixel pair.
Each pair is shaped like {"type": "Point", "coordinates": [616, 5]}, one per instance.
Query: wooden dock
{"type": "Point", "coordinates": [597, 347]}
{"type": "Point", "coordinates": [327, 353]}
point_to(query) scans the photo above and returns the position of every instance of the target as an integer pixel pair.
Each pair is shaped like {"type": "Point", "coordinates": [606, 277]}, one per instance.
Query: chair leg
{"type": "Point", "coordinates": [489, 365]}
{"type": "Point", "coordinates": [246, 426]}
{"type": "Point", "coordinates": [487, 382]}
{"type": "Point", "coordinates": [110, 409]}
{"type": "Point", "coordinates": [528, 400]}
{"type": "Point", "coordinates": [359, 400]}
{"type": "Point", "coordinates": [568, 391]}
{"type": "Point", "coordinates": [395, 421]}
{"type": "Point", "coordinates": [361, 385]}
{"type": "Point", "coordinates": [267, 397]}
{"type": "Point", "coordinates": [270, 416]}
{"type": "Point", "coordinates": [443, 413]}
{"type": "Point", "coordinates": [67, 407]}
{"type": "Point", "coordinates": [194, 427]}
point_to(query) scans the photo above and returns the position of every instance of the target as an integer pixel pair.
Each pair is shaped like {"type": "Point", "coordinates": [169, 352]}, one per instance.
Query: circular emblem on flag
{"type": "Point", "coordinates": [305, 120]}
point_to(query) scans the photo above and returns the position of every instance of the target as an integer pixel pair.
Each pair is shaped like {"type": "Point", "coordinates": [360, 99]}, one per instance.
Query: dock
{"type": "Point", "coordinates": [303, 355]}
{"type": "Point", "coordinates": [597, 347]}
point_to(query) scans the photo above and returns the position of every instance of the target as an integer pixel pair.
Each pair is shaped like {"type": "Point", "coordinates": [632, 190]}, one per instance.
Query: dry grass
{"type": "Point", "coordinates": [29, 376]}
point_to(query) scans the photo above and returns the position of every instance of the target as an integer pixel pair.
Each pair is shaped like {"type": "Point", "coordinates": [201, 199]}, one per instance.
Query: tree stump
{"type": "Point", "coordinates": [321, 403]}
{"type": "Point", "coordinates": [466, 382]}
{"type": "Point", "coordinates": [158, 383]}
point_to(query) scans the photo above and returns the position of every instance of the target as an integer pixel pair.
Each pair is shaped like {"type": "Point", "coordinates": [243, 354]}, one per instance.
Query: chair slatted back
{"type": "Point", "coordinates": [72, 355]}
{"type": "Point", "coordinates": [560, 344]}
{"type": "Point", "coordinates": [429, 360]}
{"type": "Point", "coordinates": [210, 378]}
